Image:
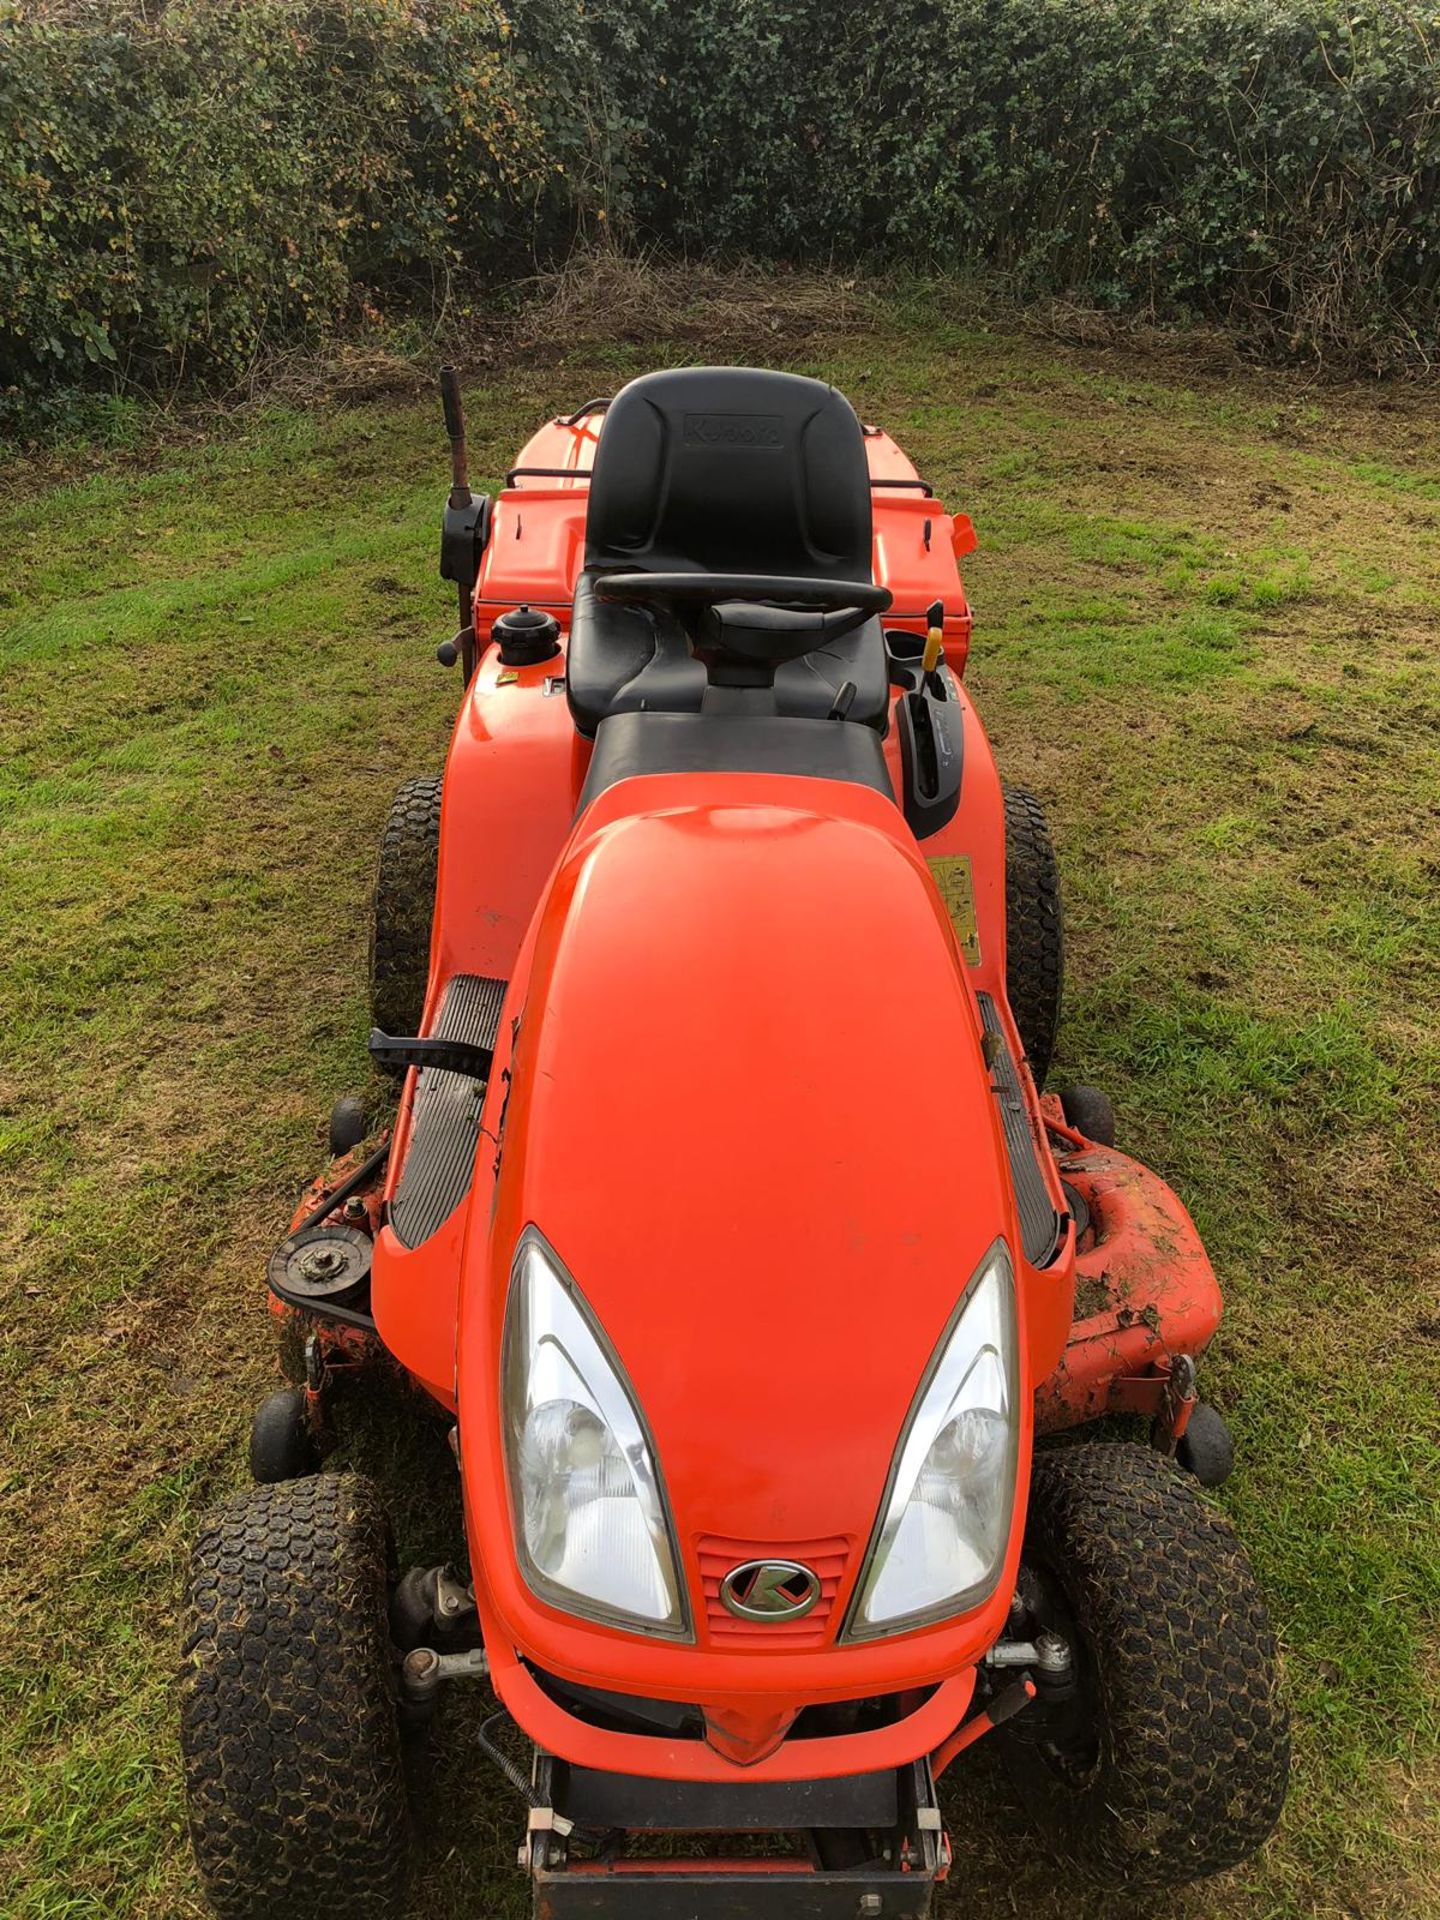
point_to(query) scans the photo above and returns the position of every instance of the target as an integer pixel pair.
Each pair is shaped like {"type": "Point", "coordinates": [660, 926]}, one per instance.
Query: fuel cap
{"type": "Point", "coordinates": [526, 636]}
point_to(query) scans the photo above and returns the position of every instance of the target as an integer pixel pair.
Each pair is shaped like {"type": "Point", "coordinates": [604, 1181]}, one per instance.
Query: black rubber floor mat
{"type": "Point", "coordinates": [1040, 1224]}
{"type": "Point", "coordinates": [447, 1116]}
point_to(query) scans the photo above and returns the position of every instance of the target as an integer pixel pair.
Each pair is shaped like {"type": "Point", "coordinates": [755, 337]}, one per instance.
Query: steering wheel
{"type": "Point", "coordinates": [777, 616]}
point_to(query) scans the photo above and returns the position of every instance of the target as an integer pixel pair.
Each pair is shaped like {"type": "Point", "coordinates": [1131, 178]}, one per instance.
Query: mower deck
{"type": "Point", "coordinates": [1147, 1302]}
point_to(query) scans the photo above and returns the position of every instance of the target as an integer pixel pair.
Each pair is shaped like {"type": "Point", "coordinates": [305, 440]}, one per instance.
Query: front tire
{"type": "Point", "coordinates": [293, 1775]}
{"type": "Point", "coordinates": [1173, 1761]}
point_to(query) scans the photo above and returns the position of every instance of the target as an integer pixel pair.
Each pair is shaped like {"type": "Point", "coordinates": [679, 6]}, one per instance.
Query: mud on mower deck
{"type": "Point", "coordinates": [715, 783]}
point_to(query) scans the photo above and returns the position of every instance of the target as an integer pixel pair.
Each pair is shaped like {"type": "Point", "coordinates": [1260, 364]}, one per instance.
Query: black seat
{"type": "Point", "coordinates": [629, 744]}
{"type": "Point", "coordinates": [722, 469]}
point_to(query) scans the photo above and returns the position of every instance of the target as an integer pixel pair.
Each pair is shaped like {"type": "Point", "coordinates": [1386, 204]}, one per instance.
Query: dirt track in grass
{"type": "Point", "coordinates": [1208, 612]}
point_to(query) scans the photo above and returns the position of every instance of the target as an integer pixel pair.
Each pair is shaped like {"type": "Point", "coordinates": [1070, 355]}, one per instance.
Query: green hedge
{"type": "Point", "coordinates": [1274, 161]}
{"type": "Point", "coordinates": [184, 185]}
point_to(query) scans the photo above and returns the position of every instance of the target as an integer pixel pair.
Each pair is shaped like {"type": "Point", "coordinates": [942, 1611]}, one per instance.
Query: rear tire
{"type": "Point", "coordinates": [1177, 1757]}
{"type": "Point", "coordinates": [405, 908]}
{"type": "Point", "coordinates": [1034, 930]}
{"type": "Point", "coordinates": [293, 1775]}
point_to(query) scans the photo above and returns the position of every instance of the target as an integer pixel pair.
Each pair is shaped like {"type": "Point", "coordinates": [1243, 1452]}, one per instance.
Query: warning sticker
{"type": "Point", "coordinates": [957, 890]}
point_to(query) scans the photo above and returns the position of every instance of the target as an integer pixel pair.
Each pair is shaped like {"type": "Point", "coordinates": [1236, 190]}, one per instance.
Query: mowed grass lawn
{"type": "Point", "coordinates": [1207, 611]}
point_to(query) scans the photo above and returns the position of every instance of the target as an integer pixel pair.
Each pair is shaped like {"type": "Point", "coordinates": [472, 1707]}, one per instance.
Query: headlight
{"type": "Point", "coordinates": [945, 1524]}
{"type": "Point", "coordinates": [592, 1531]}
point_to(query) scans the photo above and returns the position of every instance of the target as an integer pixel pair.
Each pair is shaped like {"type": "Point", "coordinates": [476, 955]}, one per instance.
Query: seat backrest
{"type": "Point", "coordinates": [728, 469]}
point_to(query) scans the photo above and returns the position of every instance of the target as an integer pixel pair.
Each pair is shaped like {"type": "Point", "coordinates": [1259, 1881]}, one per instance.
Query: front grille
{"type": "Point", "coordinates": [826, 1558]}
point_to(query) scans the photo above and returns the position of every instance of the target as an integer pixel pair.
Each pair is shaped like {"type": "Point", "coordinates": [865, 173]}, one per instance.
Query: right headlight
{"type": "Point", "coordinates": [592, 1531]}
{"type": "Point", "coordinates": [943, 1529]}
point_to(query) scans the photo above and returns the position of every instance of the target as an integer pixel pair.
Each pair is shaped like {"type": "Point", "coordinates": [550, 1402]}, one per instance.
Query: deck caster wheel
{"type": "Point", "coordinates": [282, 1441]}
{"type": "Point", "coordinates": [1205, 1449]}
{"type": "Point", "coordinates": [1090, 1112]}
{"type": "Point", "coordinates": [349, 1124]}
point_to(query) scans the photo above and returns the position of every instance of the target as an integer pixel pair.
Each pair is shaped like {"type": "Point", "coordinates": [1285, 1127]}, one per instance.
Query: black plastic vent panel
{"type": "Point", "coordinates": [446, 1127]}
{"type": "Point", "coordinates": [1040, 1224]}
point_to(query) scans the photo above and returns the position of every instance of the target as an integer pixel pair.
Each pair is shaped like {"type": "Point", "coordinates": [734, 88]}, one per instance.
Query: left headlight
{"type": "Point", "coordinates": [592, 1531]}
{"type": "Point", "coordinates": [945, 1524]}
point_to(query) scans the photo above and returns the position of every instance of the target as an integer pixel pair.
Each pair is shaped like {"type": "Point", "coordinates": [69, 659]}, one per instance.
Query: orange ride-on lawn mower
{"type": "Point", "coordinates": [724, 1216]}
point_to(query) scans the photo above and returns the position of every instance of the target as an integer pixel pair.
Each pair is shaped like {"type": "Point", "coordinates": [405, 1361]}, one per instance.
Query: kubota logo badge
{"type": "Point", "coordinates": [770, 1590]}
{"type": "Point", "coordinates": [717, 431]}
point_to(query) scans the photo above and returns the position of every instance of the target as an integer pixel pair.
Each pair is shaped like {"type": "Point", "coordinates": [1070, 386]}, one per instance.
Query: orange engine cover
{"type": "Point", "coordinates": [771, 1166]}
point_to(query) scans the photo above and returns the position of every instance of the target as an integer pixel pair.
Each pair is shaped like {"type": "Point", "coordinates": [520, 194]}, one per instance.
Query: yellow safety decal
{"type": "Point", "coordinates": [957, 890]}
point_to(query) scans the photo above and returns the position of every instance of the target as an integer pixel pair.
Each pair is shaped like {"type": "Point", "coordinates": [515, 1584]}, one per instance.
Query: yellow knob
{"type": "Point", "coordinates": [934, 646]}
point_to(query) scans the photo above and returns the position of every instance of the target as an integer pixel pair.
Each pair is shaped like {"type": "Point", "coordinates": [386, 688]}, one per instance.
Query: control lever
{"type": "Point", "coordinates": [454, 407]}
{"type": "Point", "coordinates": [934, 643]}
{"type": "Point", "coordinates": [931, 737]}
{"type": "Point", "coordinates": [466, 526]}
{"type": "Point", "coordinates": [450, 1056]}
